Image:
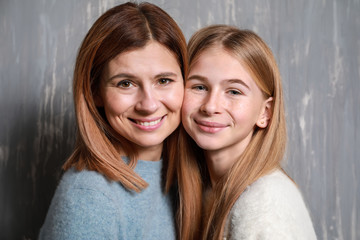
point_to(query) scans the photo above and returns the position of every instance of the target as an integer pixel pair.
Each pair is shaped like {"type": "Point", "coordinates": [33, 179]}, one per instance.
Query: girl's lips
{"type": "Point", "coordinates": [210, 127]}
{"type": "Point", "coordinates": [148, 124]}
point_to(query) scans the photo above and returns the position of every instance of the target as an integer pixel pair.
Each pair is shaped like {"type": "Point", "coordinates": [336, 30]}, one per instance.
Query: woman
{"type": "Point", "coordinates": [233, 110]}
{"type": "Point", "coordinates": [128, 90]}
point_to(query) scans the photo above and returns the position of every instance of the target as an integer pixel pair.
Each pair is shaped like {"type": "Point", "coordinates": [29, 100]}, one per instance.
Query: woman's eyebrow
{"type": "Point", "coordinates": [128, 75]}
{"type": "Point", "coordinates": [121, 75]}
{"type": "Point", "coordinates": [165, 74]}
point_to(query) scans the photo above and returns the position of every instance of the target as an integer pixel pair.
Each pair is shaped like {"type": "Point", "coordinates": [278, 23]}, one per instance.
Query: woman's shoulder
{"type": "Point", "coordinates": [84, 180]}
{"type": "Point", "coordinates": [272, 205]}
{"type": "Point", "coordinates": [81, 208]}
{"type": "Point", "coordinates": [77, 186]}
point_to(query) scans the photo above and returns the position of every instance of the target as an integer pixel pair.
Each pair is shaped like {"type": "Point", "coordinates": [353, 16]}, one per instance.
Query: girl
{"type": "Point", "coordinates": [128, 90]}
{"type": "Point", "coordinates": [233, 110]}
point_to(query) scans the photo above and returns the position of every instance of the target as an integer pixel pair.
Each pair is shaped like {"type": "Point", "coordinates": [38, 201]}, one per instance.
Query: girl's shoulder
{"type": "Point", "coordinates": [276, 186]}
{"type": "Point", "coordinates": [272, 205]}
{"type": "Point", "coordinates": [269, 194]}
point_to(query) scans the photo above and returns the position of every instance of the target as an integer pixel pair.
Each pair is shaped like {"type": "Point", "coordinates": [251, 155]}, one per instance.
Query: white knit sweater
{"type": "Point", "coordinates": [271, 208]}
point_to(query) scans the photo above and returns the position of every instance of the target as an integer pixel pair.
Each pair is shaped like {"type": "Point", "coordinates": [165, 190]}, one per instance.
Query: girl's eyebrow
{"type": "Point", "coordinates": [232, 80]}
{"type": "Point", "coordinates": [197, 77]}
{"type": "Point", "coordinates": [238, 81]}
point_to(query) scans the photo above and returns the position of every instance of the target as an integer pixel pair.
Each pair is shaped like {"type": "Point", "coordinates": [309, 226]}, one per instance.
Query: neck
{"type": "Point", "coordinates": [219, 163]}
{"type": "Point", "coordinates": [221, 160]}
{"type": "Point", "coordinates": [152, 153]}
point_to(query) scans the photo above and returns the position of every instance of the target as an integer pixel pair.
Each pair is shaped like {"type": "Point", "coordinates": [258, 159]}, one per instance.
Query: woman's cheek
{"type": "Point", "coordinates": [175, 98]}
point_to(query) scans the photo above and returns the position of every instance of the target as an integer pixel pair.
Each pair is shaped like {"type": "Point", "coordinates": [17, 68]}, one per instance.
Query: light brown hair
{"type": "Point", "coordinates": [262, 155]}
{"type": "Point", "coordinates": [126, 27]}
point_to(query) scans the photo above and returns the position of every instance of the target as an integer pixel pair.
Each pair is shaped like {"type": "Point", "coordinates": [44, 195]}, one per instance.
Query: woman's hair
{"type": "Point", "coordinates": [262, 155]}
{"type": "Point", "coordinates": [126, 27]}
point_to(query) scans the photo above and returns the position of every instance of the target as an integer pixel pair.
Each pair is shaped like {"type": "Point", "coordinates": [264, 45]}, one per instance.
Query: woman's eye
{"type": "Point", "coordinates": [124, 84]}
{"type": "Point", "coordinates": [164, 81]}
{"type": "Point", "coordinates": [235, 92]}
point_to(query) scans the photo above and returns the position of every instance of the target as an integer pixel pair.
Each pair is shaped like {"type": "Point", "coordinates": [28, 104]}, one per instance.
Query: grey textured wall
{"type": "Point", "coordinates": [316, 43]}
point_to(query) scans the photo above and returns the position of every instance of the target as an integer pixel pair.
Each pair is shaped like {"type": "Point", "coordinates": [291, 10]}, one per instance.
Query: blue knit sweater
{"type": "Point", "coordinates": [88, 206]}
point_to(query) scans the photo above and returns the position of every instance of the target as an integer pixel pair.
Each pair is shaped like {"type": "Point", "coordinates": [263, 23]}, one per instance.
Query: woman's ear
{"type": "Point", "coordinates": [265, 114]}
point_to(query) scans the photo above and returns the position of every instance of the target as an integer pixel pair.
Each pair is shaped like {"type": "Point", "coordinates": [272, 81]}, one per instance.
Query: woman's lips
{"type": "Point", "coordinates": [210, 127]}
{"type": "Point", "coordinates": [148, 124]}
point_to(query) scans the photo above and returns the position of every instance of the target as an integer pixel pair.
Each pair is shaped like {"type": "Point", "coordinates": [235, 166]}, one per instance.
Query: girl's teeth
{"type": "Point", "coordinates": [149, 123]}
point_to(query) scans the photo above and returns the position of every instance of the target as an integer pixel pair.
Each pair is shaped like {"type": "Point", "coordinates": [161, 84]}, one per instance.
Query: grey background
{"type": "Point", "coordinates": [317, 46]}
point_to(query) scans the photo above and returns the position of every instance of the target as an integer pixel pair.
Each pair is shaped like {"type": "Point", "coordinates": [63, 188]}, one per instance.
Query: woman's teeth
{"type": "Point", "coordinates": [152, 123]}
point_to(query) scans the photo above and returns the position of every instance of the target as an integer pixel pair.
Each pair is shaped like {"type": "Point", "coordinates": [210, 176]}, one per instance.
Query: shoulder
{"type": "Point", "coordinates": [83, 179]}
{"type": "Point", "coordinates": [272, 205]}
{"type": "Point", "coordinates": [274, 189]}
{"type": "Point", "coordinates": [82, 206]}
{"type": "Point", "coordinates": [74, 184]}
{"type": "Point", "coordinates": [84, 187]}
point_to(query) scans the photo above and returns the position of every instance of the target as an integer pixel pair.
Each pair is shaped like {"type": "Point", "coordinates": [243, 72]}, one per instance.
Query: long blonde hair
{"type": "Point", "coordinates": [122, 28]}
{"type": "Point", "coordinates": [262, 155]}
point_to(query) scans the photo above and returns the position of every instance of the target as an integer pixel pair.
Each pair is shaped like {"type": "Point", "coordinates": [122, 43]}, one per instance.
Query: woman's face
{"type": "Point", "coordinates": [222, 103]}
{"type": "Point", "coordinates": [142, 93]}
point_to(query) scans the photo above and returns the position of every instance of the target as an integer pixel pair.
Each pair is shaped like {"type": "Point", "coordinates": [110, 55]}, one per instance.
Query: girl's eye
{"type": "Point", "coordinates": [235, 92]}
{"type": "Point", "coordinates": [164, 81]}
{"type": "Point", "coordinates": [124, 84]}
{"type": "Point", "coordinates": [199, 88]}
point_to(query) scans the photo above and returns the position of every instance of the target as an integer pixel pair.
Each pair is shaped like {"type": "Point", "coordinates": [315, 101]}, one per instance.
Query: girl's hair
{"type": "Point", "coordinates": [262, 155]}
{"type": "Point", "coordinates": [123, 28]}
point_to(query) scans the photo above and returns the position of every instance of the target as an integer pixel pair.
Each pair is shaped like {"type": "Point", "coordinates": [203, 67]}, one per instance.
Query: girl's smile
{"type": "Point", "coordinates": [222, 105]}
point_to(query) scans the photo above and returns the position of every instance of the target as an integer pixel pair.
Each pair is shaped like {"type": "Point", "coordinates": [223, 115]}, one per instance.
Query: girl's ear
{"type": "Point", "coordinates": [265, 114]}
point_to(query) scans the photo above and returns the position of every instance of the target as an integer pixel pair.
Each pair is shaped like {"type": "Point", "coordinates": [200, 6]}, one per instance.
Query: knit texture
{"type": "Point", "coordinates": [88, 206]}
{"type": "Point", "coordinates": [271, 208]}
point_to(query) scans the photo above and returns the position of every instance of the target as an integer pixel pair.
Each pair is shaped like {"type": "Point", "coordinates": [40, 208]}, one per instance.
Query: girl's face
{"type": "Point", "coordinates": [222, 103]}
{"type": "Point", "coordinates": [142, 93]}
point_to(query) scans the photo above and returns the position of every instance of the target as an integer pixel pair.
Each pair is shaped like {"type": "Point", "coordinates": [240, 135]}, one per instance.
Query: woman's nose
{"type": "Point", "coordinates": [148, 102]}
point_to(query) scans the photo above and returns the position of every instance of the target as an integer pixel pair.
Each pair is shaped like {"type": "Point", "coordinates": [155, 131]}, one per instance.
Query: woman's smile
{"type": "Point", "coordinates": [142, 92]}
{"type": "Point", "coordinates": [148, 124]}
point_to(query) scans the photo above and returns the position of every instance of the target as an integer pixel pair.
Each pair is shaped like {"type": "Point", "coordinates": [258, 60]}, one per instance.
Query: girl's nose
{"type": "Point", "coordinates": [211, 104]}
